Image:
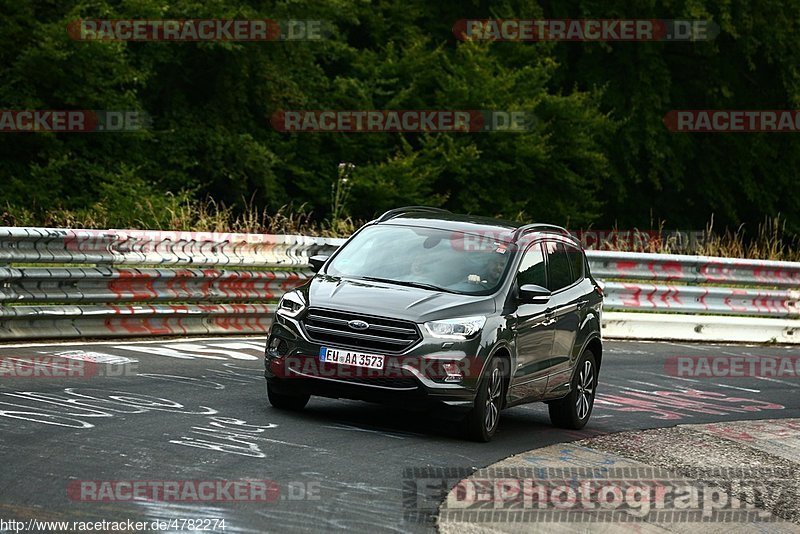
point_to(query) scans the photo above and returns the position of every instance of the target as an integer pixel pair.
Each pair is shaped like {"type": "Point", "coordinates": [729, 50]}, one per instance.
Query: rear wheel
{"type": "Point", "coordinates": [482, 420]}
{"type": "Point", "coordinates": [283, 401]}
{"type": "Point", "coordinates": [574, 410]}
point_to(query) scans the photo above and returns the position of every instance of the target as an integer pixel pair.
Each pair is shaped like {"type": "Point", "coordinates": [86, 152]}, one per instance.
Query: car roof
{"type": "Point", "coordinates": [497, 229]}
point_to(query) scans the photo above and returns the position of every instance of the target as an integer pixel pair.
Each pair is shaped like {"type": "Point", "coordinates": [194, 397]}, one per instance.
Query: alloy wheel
{"type": "Point", "coordinates": [495, 386]}
{"type": "Point", "coordinates": [585, 390]}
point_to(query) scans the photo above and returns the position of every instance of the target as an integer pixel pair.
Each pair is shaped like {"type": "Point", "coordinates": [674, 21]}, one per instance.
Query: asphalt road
{"type": "Point", "coordinates": [196, 410]}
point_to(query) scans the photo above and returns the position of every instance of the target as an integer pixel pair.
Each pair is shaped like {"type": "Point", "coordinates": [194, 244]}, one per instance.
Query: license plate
{"type": "Point", "coordinates": [346, 357]}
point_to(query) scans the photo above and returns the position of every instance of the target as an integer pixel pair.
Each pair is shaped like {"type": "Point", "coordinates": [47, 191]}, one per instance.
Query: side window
{"type": "Point", "coordinates": [531, 269]}
{"type": "Point", "coordinates": [558, 270]}
{"type": "Point", "coordinates": [577, 262]}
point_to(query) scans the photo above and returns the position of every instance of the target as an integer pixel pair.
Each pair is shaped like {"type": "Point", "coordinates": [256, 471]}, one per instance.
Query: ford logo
{"type": "Point", "coordinates": [358, 325]}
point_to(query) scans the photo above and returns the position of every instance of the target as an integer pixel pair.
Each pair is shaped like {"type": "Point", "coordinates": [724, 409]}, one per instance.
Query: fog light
{"type": "Point", "coordinates": [276, 347]}
{"type": "Point", "coordinates": [453, 372]}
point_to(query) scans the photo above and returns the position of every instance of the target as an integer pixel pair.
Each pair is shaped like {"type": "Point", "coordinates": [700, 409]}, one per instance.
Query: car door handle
{"type": "Point", "coordinates": [547, 320]}
{"type": "Point", "coordinates": [582, 303]}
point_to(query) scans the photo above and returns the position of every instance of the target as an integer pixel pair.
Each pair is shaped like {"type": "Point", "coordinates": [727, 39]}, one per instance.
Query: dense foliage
{"type": "Point", "coordinates": [600, 154]}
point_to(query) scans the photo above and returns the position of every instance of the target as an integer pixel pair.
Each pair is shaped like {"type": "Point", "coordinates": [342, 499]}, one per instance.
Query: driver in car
{"type": "Point", "coordinates": [493, 264]}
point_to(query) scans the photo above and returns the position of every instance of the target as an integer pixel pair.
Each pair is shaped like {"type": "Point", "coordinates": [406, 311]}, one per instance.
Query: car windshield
{"type": "Point", "coordinates": [428, 258]}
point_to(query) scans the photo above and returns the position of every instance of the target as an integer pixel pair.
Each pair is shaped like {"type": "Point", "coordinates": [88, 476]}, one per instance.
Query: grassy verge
{"type": "Point", "coordinates": [770, 241]}
{"type": "Point", "coordinates": [180, 212]}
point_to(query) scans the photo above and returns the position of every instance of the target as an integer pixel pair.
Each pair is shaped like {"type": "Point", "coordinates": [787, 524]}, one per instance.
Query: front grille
{"type": "Point", "coordinates": [383, 335]}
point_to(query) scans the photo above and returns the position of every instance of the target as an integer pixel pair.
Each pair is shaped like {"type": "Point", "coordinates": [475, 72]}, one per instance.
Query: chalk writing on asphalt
{"type": "Point", "coordinates": [83, 407]}
{"type": "Point", "coordinates": [671, 404]}
{"type": "Point", "coordinates": [231, 436]}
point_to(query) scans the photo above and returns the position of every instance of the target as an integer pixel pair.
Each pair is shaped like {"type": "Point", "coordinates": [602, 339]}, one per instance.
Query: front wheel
{"type": "Point", "coordinates": [482, 421]}
{"type": "Point", "coordinates": [573, 411]}
{"type": "Point", "coordinates": [282, 401]}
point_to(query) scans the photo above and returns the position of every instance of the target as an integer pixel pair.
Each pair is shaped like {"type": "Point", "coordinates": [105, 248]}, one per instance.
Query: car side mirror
{"type": "Point", "coordinates": [317, 262]}
{"type": "Point", "coordinates": [533, 294]}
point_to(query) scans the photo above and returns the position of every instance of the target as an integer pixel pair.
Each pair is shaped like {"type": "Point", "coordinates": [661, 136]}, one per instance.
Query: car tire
{"type": "Point", "coordinates": [282, 401]}
{"type": "Point", "coordinates": [483, 419]}
{"type": "Point", "coordinates": [574, 410]}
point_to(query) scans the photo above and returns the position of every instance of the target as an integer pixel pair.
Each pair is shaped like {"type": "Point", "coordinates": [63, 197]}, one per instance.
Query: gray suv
{"type": "Point", "coordinates": [425, 307]}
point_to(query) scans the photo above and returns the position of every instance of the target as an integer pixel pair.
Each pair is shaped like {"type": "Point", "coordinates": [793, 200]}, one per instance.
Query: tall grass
{"type": "Point", "coordinates": [770, 240]}
{"type": "Point", "coordinates": [185, 214]}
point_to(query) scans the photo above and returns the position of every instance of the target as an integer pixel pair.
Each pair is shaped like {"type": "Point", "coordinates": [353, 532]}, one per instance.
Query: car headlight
{"type": "Point", "coordinates": [291, 304]}
{"type": "Point", "coordinates": [461, 328]}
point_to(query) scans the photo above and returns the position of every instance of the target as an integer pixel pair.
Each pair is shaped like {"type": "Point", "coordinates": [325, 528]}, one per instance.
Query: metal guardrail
{"type": "Point", "coordinates": [701, 299]}
{"type": "Point", "coordinates": [113, 283]}
{"type": "Point", "coordinates": [693, 269]}
{"type": "Point", "coordinates": [148, 247]}
{"type": "Point", "coordinates": [57, 283]}
{"type": "Point", "coordinates": [106, 284]}
{"type": "Point", "coordinates": [724, 286]}
{"type": "Point", "coordinates": [705, 328]}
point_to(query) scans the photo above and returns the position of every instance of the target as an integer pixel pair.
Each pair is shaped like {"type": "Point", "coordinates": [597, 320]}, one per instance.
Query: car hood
{"type": "Point", "coordinates": [389, 300]}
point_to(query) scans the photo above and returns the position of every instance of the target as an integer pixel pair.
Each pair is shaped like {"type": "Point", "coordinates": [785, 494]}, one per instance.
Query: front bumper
{"type": "Point", "coordinates": [413, 377]}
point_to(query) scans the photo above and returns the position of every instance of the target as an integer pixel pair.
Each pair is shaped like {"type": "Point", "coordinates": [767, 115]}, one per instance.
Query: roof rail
{"type": "Point", "coordinates": [541, 226]}
{"type": "Point", "coordinates": [399, 211]}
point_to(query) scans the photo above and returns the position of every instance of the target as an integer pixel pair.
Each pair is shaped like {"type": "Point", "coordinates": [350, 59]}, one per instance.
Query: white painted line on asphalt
{"type": "Point", "coordinates": [735, 354]}
{"type": "Point", "coordinates": [688, 380]}
{"type": "Point", "coordinates": [647, 384]}
{"type": "Point", "coordinates": [684, 379]}
{"type": "Point", "coordinates": [359, 429]}
{"type": "Point", "coordinates": [281, 442]}
{"type": "Point", "coordinates": [616, 341]}
{"type": "Point", "coordinates": [612, 385]}
{"type": "Point", "coordinates": [236, 345]}
{"type": "Point", "coordinates": [609, 403]}
{"type": "Point", "coordinates": [668, 377]}
{"type": "Point", "coordinates": [644, 391]}
{"type": "Point", "coordinates": [688, 346]}
{"type": "Point", "coordinates": [172, 353]}
{"type": "Point", "coordinates": [736, 387]}
{"type": "Point", "coordinates": [793, 384]}
{"type": "Point", "coordinates": [78, 342]}
{"type": "Point", "coordinates": [192, 348]}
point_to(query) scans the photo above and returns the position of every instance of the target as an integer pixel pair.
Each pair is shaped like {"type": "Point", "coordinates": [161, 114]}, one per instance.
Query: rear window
{"type": "Point", "coordinates": [559, 273]}
{"type": "Point", "coordinates": [576, 261]}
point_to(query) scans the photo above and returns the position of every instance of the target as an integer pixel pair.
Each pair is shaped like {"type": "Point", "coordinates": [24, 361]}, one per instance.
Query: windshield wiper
{"type": "Point", "coordinates": [419, 285]}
